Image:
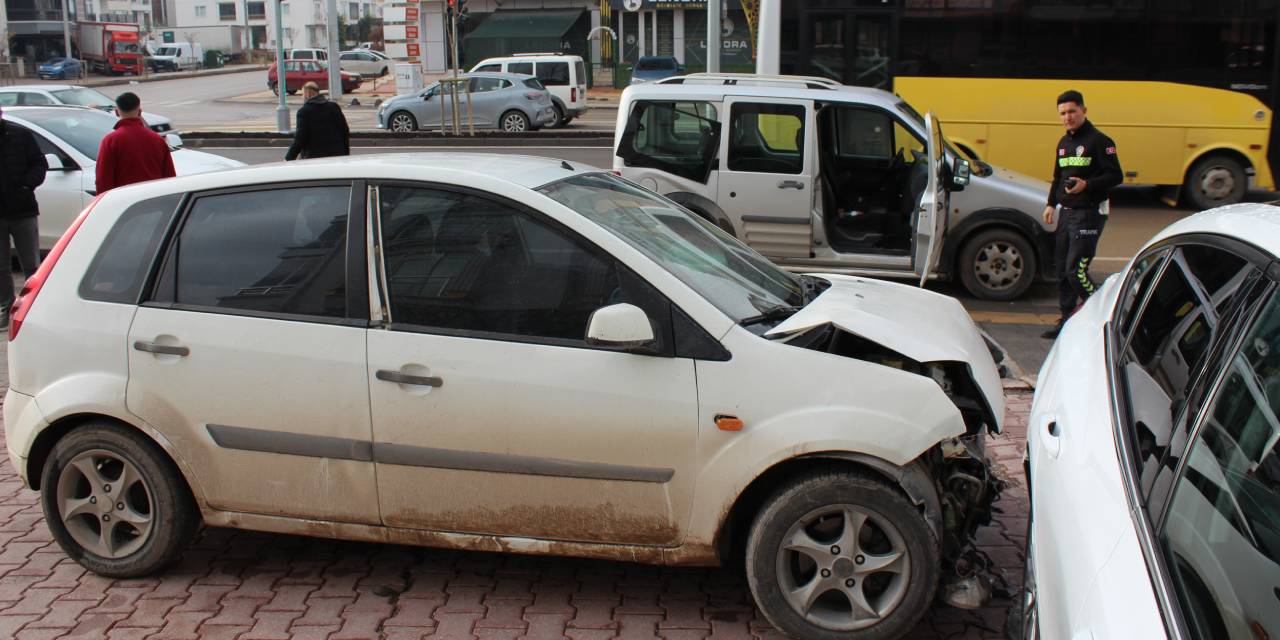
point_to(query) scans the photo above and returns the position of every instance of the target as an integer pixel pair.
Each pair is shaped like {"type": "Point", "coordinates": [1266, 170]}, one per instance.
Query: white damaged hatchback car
{"type": "Point", "coordinates": [497, 353]}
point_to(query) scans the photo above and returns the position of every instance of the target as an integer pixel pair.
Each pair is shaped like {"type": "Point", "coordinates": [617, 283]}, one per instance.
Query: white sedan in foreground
{"type": "Point", "coordinates": [69, 138]}
{"type": "Point", "coordinates": [1154, 445]}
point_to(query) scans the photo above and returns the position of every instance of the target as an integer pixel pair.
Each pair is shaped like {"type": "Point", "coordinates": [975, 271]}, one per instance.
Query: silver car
{"type": "Point", "coordinates": [507, 101]}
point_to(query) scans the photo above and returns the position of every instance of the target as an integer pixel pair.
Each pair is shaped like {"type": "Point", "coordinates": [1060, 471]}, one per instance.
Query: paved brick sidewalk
{"type": "Point", "coordinates": [258, 586]}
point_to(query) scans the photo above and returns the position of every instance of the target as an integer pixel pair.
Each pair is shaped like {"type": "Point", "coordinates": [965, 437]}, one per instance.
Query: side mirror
{"type": "Point", "coordinates": [960, 174]}
{"type": "Point", "coordinates": [55, 163]}
{"type": "Point", "coordinates": [624, 326]}
{"type": "Point", "coordinates": [174, 140]}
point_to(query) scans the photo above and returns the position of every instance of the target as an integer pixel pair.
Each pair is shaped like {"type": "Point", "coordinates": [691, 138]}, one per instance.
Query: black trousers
{"type": "Point", "coordinates": [26, 239]}
{"type": "Point", "coordinates": [1077, 243]}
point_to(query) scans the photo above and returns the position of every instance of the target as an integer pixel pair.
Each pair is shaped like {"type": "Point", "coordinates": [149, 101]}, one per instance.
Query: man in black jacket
{"type": "Point", "coordinates": [22, 169]}
{"type": "Point", "coordinates": [322, 129]}
{"type": "Point", "coordinates": [1085, 171]}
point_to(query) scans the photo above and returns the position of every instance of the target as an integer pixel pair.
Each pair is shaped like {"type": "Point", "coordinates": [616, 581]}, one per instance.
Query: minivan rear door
{"type": "Point", "coordinates": [931, 216]}
{"type": "Point", "coordinates": [766, 173]}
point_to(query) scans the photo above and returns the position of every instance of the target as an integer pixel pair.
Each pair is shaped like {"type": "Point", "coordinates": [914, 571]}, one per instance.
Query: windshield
{"type": "Point", "coordinates": [918, 120]}
{"type": "Point", "coordinates": [656, 64]}
{"type": "Point", "coordinates": [733, 277]}
{"type": "Point", "coordinates": [125, 47]}
{"type": "Point", "coordinates": [82, 97]}
{"type": "Point", "coordinates": [79, 128]}
{"type": "Point", "coordinates": [167, 51]}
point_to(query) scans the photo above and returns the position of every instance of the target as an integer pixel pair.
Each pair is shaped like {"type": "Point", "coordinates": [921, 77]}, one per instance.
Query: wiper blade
{"type": "Point", "coordinates": [778, 313]}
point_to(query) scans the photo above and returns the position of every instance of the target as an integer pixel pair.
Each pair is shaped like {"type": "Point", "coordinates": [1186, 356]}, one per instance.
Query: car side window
{"type": "Point", "coordinates": [120, 266]}
{"type": "Point", "coordinates": [520, 67]}
{"type": "Point", "coordinates": [1141, 276]}
{"type": "Point", "coordinates": [32, 98]}
{"type": "Point", "coordinates": [462, 262]}
{"type": "Point", "coordinates": [766, 138]}
{"type": "Point", "coordinates": [553, 74]}
{"type": "Point", "coordinates": [482, 85]}
{"type": "Point", "coordinates": [8, 99]}
{"type": "Point", "coordinates": [349, 56]}
{"type": "Point", "coordinates": [1170, 339]}
{"type": "Point", "coordinates": [276, 251]}
{"type": "Point", "coordinates": [672, 136]}
{"type": "Point", "coordinates": [1221, 532]}
{"type": "Point", "coordinates": [489, 68]}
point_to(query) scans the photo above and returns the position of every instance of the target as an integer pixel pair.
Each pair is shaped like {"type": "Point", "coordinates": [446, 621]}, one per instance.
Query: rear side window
{"type": "Point", "coordinates": [672, 136]}
{"type": "Point", "coordinates": [554, 74]}
{"type": "Point", "coordinates": [533, 83]}
{"type": "Point", "coordinates": [520, 67]}
{"type": "Point", "coordinates": [581, 72]}
{"type": "Point", "coordinates": [271, 251]}
{"type": "Point", "coordinates": [489, 68]}
{"type": "Point", "coordinates": [120, 266]}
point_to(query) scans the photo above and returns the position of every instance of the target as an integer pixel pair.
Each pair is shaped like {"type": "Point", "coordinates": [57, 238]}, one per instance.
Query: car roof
{"type": "Point", "coordinates": [18, 110]}
{"type": "Point", "coordinates": [38, 87]}
{"type": "Point", "coordinates": [1253, 223]}
{"type": "Point", "coordinates": [532, 57]}
{"type": "Point", "coordinates": [706, 91]}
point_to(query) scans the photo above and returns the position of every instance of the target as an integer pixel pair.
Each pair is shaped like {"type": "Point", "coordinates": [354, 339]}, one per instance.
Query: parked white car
{"type": "Point", "coordinates": [503, 353]}
{"type": "Point", "coordinates": [1154, 444]}
{"type": "Point", "coordinates": [177, 56]}
{"type": "Point", "coordinates": [69, 138]}
{"type": "Point", "coordinates": [365, 63]}
{"type": "Point", "coordinates": [41, 95]}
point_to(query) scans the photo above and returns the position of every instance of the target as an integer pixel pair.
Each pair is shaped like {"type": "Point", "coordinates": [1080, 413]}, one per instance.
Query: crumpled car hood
{"type": "Point", "coordinates": [919, 324]}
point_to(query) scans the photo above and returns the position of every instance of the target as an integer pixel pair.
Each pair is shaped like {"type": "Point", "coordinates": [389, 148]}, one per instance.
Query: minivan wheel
{"type": "Point", "coordinates": [998, 264]}
{"type": "Point", "coordinates": [514, 122]}
{"type": "Point", "coordinates": [1216, 181]}
{"type": "Point", "coordinates": [402, 122]}
{"type": "Point", "coordinates": [115, 503]}
{"type": "Point", "coordinates": [840, 555]}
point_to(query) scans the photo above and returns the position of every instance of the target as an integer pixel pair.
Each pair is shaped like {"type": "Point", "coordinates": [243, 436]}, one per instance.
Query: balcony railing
{"type": "Point", "coordinates": [34, 15]}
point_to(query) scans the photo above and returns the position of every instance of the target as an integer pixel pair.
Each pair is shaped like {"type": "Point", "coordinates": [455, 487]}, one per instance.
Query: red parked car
{"type": "Point", "coordinates": [300, 72]}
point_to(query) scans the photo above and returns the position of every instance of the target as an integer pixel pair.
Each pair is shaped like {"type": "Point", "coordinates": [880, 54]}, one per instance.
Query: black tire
{"type": "Point", "coordinates": [1215, 181]}
{"type": "Point", "coordinates": [172, 512]}
{"type": "Point", "coordinates": [883, 505]}
{"type": "Point", "coordinates": [405, 119]}
{"type": "Point", "coordinates": [290, 91]}
{"type": "Point", "coordinates": [997, 264]}
{"type": "Point", "coordinates": [514, 121]}
{"type": "Point", "coordinates": [275, 89]}
{"type": "Point", "coordinates": [560, 119]}
{"type": "Point", "coordinates": [383, 72]}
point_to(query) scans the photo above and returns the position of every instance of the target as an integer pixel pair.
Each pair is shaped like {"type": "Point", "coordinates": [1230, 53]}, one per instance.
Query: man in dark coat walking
{"type": "Point", "coordinates": [322, 129]}
{"type": "Point", "coordinates": [132, 152]}
{"type": "Point", "coordinates": [22, 169]}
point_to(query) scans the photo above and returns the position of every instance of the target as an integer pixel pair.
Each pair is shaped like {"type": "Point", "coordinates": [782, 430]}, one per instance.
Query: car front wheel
{"type": "Point", "coordinates": [838, 555]}
{"type": "Point", "coordinates": [402, 122]}
{"type": "Point", "coordinates": [515, 122]}
{"type": "Point", "coordinates": [115, 503]}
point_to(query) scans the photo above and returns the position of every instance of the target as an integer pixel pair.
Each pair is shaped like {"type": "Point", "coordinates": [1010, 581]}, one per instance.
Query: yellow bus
{"type": "Point", "coordinates": [1187, 90]}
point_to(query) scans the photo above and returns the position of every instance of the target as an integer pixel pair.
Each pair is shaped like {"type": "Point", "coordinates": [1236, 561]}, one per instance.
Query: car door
{"type": "Point", "coordinates": [491, 413]}
{"type": "Point", "coordinates": [931, 220]}
{"type": "Point", "coordinates": [766, 173]}
{"type": "Point", "coordinates": [64, 191]}
{"type": "Point", "coordinates": [249, 354]}
{"type": "Point", "coordinates": [426, 109]}
{"type": "Point", "coordinates": [488, 97]}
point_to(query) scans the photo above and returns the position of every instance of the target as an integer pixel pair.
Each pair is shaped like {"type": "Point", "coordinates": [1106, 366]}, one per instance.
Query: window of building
{"type": "Point", "coordinates": [201, 11]}
{"type": "Point", "coordinates": [257, 10]}
{"type": "Point", "coordinates": [273, 251]}
{"type": "Point", "coordinates": [226, 11]}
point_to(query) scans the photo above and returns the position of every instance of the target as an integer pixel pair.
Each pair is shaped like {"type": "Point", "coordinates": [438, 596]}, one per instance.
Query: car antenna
{"type": "Point", "coordinates": [565, 164]}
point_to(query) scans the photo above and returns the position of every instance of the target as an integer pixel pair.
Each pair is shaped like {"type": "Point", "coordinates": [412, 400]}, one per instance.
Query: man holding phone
{"type": "Point", "coordinates": [1086, 169]}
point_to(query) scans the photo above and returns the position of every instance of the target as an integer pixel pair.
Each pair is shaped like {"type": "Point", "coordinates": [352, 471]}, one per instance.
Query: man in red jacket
{"type": "Point", "coordinates": [132, 153]}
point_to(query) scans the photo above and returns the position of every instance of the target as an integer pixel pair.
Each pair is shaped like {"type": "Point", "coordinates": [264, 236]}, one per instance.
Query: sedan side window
{"type": "Point", "coordinates": [271, 251]}
{"type": "Point", "coordinates": [1221, 535]}
{"type": "Point", "coordinates": [458, 261]}
{"type": "Point", "coordinates": [35, 99]}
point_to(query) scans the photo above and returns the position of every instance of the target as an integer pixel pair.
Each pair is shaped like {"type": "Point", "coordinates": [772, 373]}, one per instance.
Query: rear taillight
{"type": "Point", "coordinates": [573, 94]}
{"type": "Point", "coordinates": [533, 95]}
{"type": "Point", "coordinates": [31, 288]}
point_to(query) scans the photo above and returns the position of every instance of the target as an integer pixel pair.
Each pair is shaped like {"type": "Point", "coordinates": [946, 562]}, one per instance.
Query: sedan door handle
{"type": "Point", "coordinates": [165, 349]}
{"type": "Point", "coordinates": [791, 184]}
{"type": "Point", "coordinates": [404, 378]}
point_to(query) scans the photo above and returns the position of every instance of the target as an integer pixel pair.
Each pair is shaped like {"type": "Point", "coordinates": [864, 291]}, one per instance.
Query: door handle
{"type": "Point", "coordinates": [165, 349]}
{"type": "Point", "coordinates": [791, 184]}
{"type": "Point", "coordinates": [404, 378]}
{"type": "Point", "coordinates": [1051, 434]}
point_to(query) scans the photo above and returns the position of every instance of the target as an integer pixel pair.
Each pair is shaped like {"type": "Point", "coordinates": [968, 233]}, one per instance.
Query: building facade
{"type": "Point", "coordinates": [305, 21]}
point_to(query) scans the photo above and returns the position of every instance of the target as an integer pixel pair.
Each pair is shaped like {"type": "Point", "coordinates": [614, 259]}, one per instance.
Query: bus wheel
{"type": "Point", "coordinates": [998, 264]}
{"type": "Point", "coordinates": [1215, 181]}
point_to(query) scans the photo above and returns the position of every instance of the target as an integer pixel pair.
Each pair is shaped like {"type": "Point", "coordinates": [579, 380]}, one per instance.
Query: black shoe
{"type": "Point", "coordinates": [1052, 334]}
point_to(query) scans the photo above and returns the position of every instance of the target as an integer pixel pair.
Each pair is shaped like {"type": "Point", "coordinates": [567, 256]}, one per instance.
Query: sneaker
{"type": "Point", "coordinates": [1052, 334]}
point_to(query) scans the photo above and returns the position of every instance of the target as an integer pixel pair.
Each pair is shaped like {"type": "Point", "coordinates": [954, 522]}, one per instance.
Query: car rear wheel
{"type": "Point", "coordinates": [115, 503]}
{"type": "Point", "coordinates": [402, 122]}
{"type": "Point", "coordinates": [998, 264]}
{"type": "Point", "coordinates": [514, 122]}
{"type": "Point", "coordinates": [275, 89]}
{"type": "Point", "coordinates": [560, 119]}
{"type": "Point", "coordinates": [838, 555]}
{"type": "Point", "coordinates": [1216, 181]}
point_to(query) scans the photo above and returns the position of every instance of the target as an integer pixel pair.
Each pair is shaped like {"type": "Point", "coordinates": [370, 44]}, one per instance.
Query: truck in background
{"type": "Point", "coordinates": [227, 38]}
{"type": "Point", "coordinates": [111, 47]}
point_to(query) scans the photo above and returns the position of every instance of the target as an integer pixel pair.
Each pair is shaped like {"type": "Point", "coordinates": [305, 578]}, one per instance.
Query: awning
{"type": "Point", "coordinates": [526, 24]}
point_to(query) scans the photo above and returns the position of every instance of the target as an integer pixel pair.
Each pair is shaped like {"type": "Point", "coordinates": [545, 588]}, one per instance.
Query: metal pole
{"type": "Point", "coordinates": [66, 30]}
{"type": "Point", "coordinates": [335, 64]}
{"type": "Point", "coordinates": [282, 111]}
{"type": "Point", "coordinates": [768, 37]}
{"type": "Point", "coordinates": [713, 36]}
{"type": "Point", "coordinates": [248, 40]}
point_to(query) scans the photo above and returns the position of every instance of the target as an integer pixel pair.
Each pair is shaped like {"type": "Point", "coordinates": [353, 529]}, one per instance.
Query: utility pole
{"type": "Point", "coordinates": [335, 63]}
{"type": "Point", "coordinates": [66, 30]}
{"type": "Point", "coordinates": [768, 38]}
{"type": "Point", "coordinates": [713, 36]}
{"type": "Point", "coordinates": [248, 40]}
{"type": "Point", "coordinates": [282, 111]}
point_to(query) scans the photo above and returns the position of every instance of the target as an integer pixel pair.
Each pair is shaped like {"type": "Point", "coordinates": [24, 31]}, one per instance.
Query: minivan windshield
{"type": "Point", "coordinates": [737, 280]}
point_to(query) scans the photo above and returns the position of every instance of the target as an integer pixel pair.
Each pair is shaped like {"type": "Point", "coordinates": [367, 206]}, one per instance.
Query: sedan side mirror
{"type": "Point", "coordinates": [623, 326]}
{"type": "Point", "coordinates": [54, 162]}
{"type": "Point", "coordinates": [174, 140]}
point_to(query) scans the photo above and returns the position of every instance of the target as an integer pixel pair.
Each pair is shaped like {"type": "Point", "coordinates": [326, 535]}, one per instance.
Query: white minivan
{"type": "Point", "coordinates": [817, 175]}
{"type": "Point", "coordinates": [565, 76]}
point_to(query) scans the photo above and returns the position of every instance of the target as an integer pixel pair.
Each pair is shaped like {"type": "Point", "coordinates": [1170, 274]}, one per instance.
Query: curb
{"type": "Point", "coordinates": [197, 140]}
{"type": "Point", "coordinates": [179, 75]}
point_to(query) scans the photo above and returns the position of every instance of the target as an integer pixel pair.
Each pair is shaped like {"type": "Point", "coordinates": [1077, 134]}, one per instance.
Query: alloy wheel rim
{"type": "Point", "coordinates": [998, 265]}
{"type": "Point", "coordinates": [400, 123]}
{"type": "Point", "coordinates": [513, 122]}
{"type": "Point", "coordinates": [843, 567]}
{"type": "Point", "coordinates": [105, 504]}
{"type": "Point", "coordinates": [1217, 183]}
